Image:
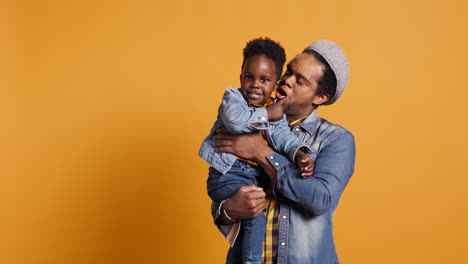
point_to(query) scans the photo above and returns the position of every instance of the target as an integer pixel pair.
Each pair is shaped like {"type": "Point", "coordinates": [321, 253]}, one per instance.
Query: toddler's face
{"type": "Point", "coordinates": [258, 79]}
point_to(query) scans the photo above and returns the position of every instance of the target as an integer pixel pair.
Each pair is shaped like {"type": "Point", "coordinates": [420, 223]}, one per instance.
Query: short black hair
{"type": "Point", "coordinates": [269, 48]}
{"type": "Point", "coordinates": [327, 83]}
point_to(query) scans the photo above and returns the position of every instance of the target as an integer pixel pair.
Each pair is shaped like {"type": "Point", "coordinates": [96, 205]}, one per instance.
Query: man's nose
{"type": "Point", "coordinates": [288, 80]}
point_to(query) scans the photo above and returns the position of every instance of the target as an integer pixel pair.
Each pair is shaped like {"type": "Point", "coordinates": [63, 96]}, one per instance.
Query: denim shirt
{"type": "Point", "coordinates": [307, 205]}
{"type": "Point", "coordinates": [239, 117]}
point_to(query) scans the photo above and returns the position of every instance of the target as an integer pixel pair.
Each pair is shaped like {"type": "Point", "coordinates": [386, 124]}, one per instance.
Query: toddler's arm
{"type": "Point", "coordinates": [304, 163]}
{"type": "Point", "coordinates": [287, 142]}
{"type": "Point", "coordinates": [238, 117]}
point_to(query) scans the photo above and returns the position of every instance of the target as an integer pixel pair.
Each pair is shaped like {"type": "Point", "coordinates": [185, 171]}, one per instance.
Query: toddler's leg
{"type": "Point", "coordinates": [220, 187]}
{"type": "Point", "coordinates": [252, 239]}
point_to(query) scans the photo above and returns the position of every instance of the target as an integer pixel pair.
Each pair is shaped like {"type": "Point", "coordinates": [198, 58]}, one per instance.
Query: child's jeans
{"type": "Point", "coordinates": [221, 187]}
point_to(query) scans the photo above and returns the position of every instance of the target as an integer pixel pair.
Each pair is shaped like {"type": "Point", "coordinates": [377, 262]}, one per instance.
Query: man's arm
{"type": "Point", "coordinates": [334, 166]}
{"type": "Point", "coordinates": [247, 202]}
{"type": "Point", "coordinates": [286, 142]}
{"type": "Point", "coordinates": [247, 146]}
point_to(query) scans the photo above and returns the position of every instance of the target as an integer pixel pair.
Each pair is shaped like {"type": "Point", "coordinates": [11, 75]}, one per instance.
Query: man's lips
{"type": "Point", "coordinates": [281, 93]}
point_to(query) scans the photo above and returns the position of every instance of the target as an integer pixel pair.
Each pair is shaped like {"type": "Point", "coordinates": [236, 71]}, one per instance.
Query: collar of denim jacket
{"type": "Point", "coordinates": [310, 123]}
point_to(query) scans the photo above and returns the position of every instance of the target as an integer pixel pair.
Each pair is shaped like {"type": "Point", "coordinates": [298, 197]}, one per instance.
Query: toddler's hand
{"type": "Point", "coordinates": [305, 164]}
{"type": "Point", "coordinates": [275, 111]}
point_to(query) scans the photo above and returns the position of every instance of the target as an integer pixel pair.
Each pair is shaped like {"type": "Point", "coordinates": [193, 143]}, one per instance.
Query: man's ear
{"type": "Point", "coordinates": [320, 99]}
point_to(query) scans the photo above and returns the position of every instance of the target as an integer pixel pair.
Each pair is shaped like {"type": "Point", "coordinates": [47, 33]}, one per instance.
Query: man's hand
{"type": "Point", "coordinates": [247, 202]}
{"type": "Point", "coordinates": [247, 146]}
{"type": "Point", "coordinates": [276, 111]}
{"type": "Point", "coordinates": [304, 163]}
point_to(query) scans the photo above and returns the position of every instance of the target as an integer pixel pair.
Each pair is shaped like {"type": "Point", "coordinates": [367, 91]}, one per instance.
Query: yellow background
{"type": "Point", "coordinates": [105, 103]}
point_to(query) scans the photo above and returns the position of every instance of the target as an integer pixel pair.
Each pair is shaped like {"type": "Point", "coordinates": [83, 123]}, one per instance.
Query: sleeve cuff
{"type": "Point", "coordinates": [230, 232]}
{"type": "Point", "coordinates": [280, 163]}
{"type": "Point", "coordinates": [262, 118]}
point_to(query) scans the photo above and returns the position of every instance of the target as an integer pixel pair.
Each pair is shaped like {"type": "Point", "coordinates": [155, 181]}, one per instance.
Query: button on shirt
{"type": "Point", "coordinates": [307, 205]}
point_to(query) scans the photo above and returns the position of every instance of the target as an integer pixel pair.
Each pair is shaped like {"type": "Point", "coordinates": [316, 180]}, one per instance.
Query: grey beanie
{"type": "Point", "coordinates": [336, 58]}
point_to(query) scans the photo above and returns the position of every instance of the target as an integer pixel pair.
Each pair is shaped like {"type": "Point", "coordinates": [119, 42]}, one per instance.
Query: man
{"type": "Point", "coordinates": [299, 209]}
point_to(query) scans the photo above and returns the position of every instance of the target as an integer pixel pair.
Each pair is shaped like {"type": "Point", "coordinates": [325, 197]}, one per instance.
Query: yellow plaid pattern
{"type": "Point", "coordinates": [270, 244]}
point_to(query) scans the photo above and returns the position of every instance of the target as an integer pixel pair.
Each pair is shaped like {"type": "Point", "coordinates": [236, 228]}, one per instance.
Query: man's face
{"type": "Point", "coordinates": [299, 86]}
{"type": "Point", "coordinates": [258, 79]}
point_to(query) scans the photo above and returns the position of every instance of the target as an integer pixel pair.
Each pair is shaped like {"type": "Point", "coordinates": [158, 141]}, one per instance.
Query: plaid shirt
{"type": "Point", "coordinates": [270, 244]}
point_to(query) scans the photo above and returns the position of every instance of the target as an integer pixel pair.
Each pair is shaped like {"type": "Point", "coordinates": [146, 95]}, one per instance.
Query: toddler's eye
{"type": "Point", "coordinates": [265, 80]}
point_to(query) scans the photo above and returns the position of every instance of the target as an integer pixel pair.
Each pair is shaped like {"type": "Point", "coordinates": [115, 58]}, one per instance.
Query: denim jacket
{"type": "Point", "coordinates": [239, 117]}
{"type": "Point", "coordinates": [307, 205]}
